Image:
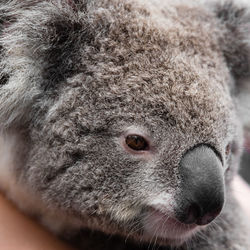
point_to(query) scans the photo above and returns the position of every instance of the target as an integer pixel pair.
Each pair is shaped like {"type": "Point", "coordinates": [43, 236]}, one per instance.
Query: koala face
{"type": "Point", "coordinates": [132, 127]}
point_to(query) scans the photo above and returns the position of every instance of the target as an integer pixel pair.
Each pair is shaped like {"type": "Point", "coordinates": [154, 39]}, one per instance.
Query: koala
{"type": "Point", "coordinates": [122, 122]}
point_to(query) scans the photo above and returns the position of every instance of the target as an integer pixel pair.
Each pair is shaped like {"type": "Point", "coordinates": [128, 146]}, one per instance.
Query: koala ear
{"type": "Point", "coordinates": [15, 94]}
{"type": "Point", "coordinates": [233, 20]}
{"type": "Point", "coordinates": [39, 48]}
{"type": "Point", "coordinates": [234, 25]}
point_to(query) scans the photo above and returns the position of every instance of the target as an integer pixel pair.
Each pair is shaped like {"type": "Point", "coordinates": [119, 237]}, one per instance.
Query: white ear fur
{"type": "Point", "coordinates": [16, 98]}
{"type": "Point", "coordinates": [20, 89]}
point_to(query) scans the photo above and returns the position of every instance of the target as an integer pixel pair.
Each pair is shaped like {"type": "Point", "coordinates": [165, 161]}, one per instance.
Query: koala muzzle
{"type": "Point", "coordinates": [202, 196]}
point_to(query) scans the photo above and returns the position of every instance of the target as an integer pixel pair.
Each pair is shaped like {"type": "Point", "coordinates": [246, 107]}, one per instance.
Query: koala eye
{"type": "Point", "coordinates": [137, 142]}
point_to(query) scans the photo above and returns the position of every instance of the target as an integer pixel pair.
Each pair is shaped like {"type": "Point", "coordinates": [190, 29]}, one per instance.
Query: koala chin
{"type": "Point", "coordinates": [122, 122]}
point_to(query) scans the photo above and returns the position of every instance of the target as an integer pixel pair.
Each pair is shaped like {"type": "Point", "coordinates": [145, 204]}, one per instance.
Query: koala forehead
{"type": "Point", "coordinates": [132, 57]}
{"type": "Point", "coordinates": [146, 73]}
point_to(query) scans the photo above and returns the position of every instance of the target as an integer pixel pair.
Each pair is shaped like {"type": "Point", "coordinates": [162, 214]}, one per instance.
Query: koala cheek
{"type": "Point", "coordinates": [123, 212]}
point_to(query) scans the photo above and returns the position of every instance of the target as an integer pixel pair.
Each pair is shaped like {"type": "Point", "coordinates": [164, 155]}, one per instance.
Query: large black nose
{"type": "Point", "coordinates": [202, 186]}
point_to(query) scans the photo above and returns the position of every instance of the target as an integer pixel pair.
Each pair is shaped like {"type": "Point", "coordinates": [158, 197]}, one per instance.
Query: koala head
{"type": "Point", "coordinates": [128, 113]}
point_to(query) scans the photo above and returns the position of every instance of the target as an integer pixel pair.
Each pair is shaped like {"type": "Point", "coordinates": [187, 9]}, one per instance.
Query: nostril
{"type": "Point", "coordinates": [192, 214]}
{"type": "Point", "coordinates": [207, 218]}
{"type": "Point", "coordinates": [195, 214]}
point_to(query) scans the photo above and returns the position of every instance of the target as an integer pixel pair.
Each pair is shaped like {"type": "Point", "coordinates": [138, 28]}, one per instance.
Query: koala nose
{"type": "Point", "coordinates": [202, 185]}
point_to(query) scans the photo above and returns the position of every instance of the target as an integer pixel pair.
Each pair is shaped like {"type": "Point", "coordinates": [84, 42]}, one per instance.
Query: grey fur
{"type": "Point", "coordinates": [77, 75]}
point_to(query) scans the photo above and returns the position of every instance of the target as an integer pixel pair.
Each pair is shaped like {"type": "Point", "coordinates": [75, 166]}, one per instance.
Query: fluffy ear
{"type": "Point", "coordinates": [233, 20]}
{"type": "Point", "coordinates": [234, 24]}
{"type": "Point", "coordinates": [39, 48]}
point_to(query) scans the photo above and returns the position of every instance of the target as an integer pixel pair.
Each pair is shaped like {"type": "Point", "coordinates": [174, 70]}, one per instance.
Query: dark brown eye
{"type": "Point", "coordinates": [136, 142]}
